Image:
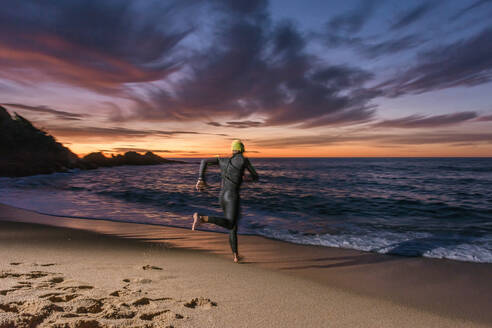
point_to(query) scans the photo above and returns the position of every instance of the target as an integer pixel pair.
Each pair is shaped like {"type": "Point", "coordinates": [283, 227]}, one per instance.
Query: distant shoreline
{"type": "Point", "coordinates": [26, 150]}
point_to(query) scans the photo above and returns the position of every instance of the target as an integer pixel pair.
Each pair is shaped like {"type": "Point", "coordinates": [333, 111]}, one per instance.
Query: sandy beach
{"type": "Point", "coordinates": [64, 272]}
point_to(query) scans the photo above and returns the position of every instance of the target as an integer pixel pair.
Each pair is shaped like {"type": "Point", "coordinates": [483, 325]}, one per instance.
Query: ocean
{"type": "Point", "coordinates": [432, 207]}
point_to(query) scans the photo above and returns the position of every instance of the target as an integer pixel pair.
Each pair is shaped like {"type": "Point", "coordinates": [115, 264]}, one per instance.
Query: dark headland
{"type": "Point", "coordinates": [26, 150]}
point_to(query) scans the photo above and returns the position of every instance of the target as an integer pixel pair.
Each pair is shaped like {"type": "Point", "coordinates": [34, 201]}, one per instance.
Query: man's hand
{"type": "Point", "coordinates": [200, 185]}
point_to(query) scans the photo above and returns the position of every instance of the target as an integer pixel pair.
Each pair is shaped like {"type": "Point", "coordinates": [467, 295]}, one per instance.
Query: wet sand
{"type": "Point", "coordinates": [63, 272]}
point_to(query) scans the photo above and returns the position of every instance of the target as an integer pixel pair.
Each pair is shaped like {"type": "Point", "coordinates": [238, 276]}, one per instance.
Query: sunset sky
{"type": "Point", "coordinates": [289, 78]}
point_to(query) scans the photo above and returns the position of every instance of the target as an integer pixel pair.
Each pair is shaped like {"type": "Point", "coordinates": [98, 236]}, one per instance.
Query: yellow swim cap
{"type": "Point", "coordinates": [237, 145]}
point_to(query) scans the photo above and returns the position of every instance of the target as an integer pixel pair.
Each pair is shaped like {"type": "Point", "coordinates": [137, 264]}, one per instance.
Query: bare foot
{"type": "Point", "coordinates": [237, 258]}
{"type": "Point", "coordinates": [196, 221]}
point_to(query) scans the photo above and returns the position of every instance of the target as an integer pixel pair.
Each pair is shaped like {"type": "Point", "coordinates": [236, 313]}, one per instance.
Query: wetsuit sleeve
{"type": "Point", "coordinates": [203, 166]}
{"type": "Point", "coordinates": [251, 170]}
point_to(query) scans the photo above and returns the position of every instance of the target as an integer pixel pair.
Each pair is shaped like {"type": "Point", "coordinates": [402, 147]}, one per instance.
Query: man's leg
{"type": "Point", "coordinates": [223, 222]}
{"type": "Point", "coordinates": [230, 205]}
{"type": "Point", "coordinates": [233, 242]}
{"type": "Point", "coordinates": [220, 221]}
{"type": "Point", "coordinates": [217, 220]}
{"type": "Point", "coordinates": [229, 201]}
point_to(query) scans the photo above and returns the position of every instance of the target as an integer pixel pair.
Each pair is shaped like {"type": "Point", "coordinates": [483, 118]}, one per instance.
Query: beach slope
{"type": "Point", "coordinates": [87, 273]}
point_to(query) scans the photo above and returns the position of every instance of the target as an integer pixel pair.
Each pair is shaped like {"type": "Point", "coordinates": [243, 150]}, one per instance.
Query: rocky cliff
{"type": "Point", "coordinates": [27, 150]}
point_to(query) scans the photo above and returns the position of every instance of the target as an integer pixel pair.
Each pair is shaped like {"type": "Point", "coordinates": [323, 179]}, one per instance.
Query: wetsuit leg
{"type": "Point", "coordinates": [229, 201]}
{"type": "Point", "coordinates": [233, 238]}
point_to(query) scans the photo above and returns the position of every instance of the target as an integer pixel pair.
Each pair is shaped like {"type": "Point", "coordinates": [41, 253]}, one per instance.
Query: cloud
{"type": "Point", "coordinates": [4, 87]}
{"type": "Point", "coordinates": [353, 20]}
{"type": "Point", "coordinates": [485, 118]}
{"type": "Point", "coordinates": [117, 132]}
{"type": "Point", "coordinates": [256, 66]}
{"type": "Point", "coordinates": [440, 138]}
{"type": "Point", "coordinates": [238, 124]}
{"type": "Point", "coordinates": [391, 46]}
{"type": "Point", "coordinates": [469, 8]}
{"type": "Point", "coordinates": [373, 48]}
{"type": "Point", "coordinates": [341, 31]}
{"type": "Point", "coordinates": [138, 150]}
{"type": "Point", "coordinates": [358, 115]}
{"type": "Point", "coordinates": [247, 63]}
{"type": "Point", "coordinates": [423, 121]}
{"type": "Point", "coordinates": [244, 124]}
{"type": "Point", "coordinates": [214, 124]}
{"type": "Point", "coordinates": [95, 44]}
{"type": "Point", "coordinates": [61, 115]}
{"type": "Point", "coordinates": [411, 16]}
{"type": "Point", "coordinates": [463, 63]}
{"type": "Point", "coordinates": [386, 140]}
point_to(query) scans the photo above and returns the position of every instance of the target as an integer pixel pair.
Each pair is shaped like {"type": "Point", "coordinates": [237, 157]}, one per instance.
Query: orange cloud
{"type": "Point", "coordinates": [71, 63]}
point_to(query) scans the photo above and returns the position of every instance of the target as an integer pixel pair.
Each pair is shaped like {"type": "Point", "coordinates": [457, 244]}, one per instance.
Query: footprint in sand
{"type": "Point", "coordinates": [172, 315]}
{"type": "Point", "coordinates": [62, 298]}
{"type": "Point", "coordinates": [29, 275]}
{"type": "Point", "coordinates": [143, 281]}
{"type": "Point", "coordinates": [22, 284]}
{"type": "Point", "coordinates": [10, 307]}
{"type": "Point", "coordinates": [15, 263]}
{"type": "Point", "coordinates": [162, 314]}
{"type": "Point", "coordinates": [88, 305]}
{"type": "Point", "coordinates": [43, 285]}
{"type": "Point", "coordinates": [27, 283]}
{"type": "Point", "coordinates": [116, 293]}
{"type": "Point", "coordinates": [141, 301]}
{"type": "Point", "coordinates": [69, 315]}
{"type": "Point", "coordinates": [151, 267]}
{"type": "Point", "coordinates": [65, 304]}
{"type": "Point", "coordinates": [49, 295]}
{"type": "Point", "coordinates": [150, 316]}
{"type": "Point", "coordinates": [6, 291]}
{"type": "Point", "coordinates": [200, 302]}
{"type": "Point", "coordinates": [4, 275]}
{"type": "Point", "coordinates": [56, 280]}
{"type": "Point", "coordinates": [74, 289]}
{"type": "Point", "coordinates": [29, 314]}
{"type": "Point", "coordinates": [162, 299]}
{"type": "Point", "coordinates": [44, 264]}
{"type": "Point", "coordinates": [82, 323]}
{"type": "Point", "coordinates": [36, 274]}
{"type": "Point", "coordinates": [119, 312]}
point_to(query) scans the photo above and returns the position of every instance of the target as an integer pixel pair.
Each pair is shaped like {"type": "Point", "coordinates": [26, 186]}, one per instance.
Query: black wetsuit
{"type": "Point", "coordinates": [231, 170]}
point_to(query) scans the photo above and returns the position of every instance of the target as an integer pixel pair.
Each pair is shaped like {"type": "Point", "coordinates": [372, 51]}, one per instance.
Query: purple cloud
{"type": "Point", "coordinates": [466, 63]}
{"type": "Point", "coordinates": [423, 121]}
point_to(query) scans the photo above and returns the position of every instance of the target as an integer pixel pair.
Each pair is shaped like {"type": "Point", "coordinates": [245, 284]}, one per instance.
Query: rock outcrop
{"type": "Point", "coordinates": [27, 150]}
{"type": "Point", "coordinates": [94, 160]}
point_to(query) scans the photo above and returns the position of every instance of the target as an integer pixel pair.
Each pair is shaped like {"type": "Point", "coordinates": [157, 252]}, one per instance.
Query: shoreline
{"type": "Point", "coordinates": [452, 289]}
{"type": "Point", "coordinates": [243, 234]}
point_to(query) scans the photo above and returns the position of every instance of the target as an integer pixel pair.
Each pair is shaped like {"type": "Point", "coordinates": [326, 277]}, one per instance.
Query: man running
{"type": "Point", "coordinates": [231, 170]}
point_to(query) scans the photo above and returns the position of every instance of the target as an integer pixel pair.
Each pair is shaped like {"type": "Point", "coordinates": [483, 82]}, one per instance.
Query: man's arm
{"type": "Point", "coordinates": [200, 185]}
{"type": "Point", "coordinates": [251, 170]}
{"type": "Point", "coordinates": [203, 166]}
